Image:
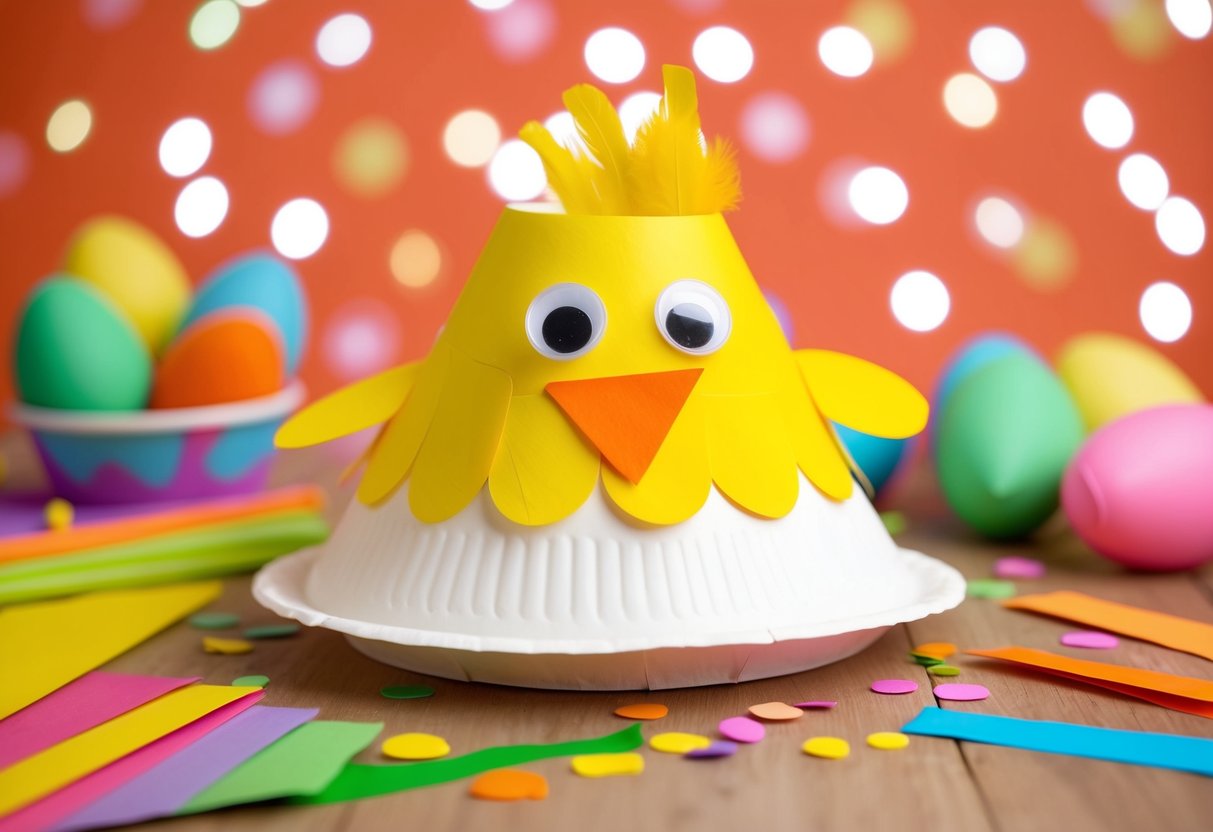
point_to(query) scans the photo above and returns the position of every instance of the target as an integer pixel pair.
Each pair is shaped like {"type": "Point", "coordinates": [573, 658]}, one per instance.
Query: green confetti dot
{"type": "Point", "coordinates": [272, 631]}
{"type": "Point", "coordinates": [943, 670]}
{"type": "Point", "coordinates": [894, 521]}
{"type": "Point", "coordinates": [991, 588]}
{"type": "Point", "coordinates": [214, 620]}
{"type": "Point", "coordinates": [407, 692]}
{"type": "Point", "coordinates": [925, 660]}
{"type": "Point", "coordinates": [251, 682]}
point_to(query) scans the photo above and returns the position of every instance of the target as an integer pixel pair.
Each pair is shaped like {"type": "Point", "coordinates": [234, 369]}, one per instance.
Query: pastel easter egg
{"type": "Point", "coordinates": [227, 356]}
{"type": "Point", "coordinates": [138, 272]}
{"type": "Point", "coordinates": [264, 282]}
{"type": "Point", "coordinates": [876, 456]}
{"type": "Point", "coordinates": [1139, 491]}
{"type": "Point", "coordinates": [1110, 376]}
{"type": "Point", "coordinates": [1006, 434]}
{"type": "Point", "coordinates": [974, 354]}
{"type": "Point", "coordinates": [75, 350]}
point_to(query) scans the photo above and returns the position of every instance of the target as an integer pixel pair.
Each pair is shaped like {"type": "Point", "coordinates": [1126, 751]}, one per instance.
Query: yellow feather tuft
{"type": "Point", "coordinates": [601, 132]}
{"type": "Point", "coordinates": [567, 175]}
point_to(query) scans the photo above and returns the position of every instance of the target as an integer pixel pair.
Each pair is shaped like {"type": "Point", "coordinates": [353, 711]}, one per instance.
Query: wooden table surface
{"type": "Point", "coordinates": [934, 784]}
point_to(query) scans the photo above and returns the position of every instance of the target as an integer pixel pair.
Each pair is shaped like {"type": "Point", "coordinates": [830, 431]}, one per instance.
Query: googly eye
{"type": "Point", "coordinates": [693, 317]}
{"type": "Point", "coordinates": [565, 321]}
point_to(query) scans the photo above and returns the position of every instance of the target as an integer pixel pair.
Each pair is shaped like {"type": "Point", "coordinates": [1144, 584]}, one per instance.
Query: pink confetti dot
{"type": "Point", "coordinates": [362, 337]}
{"type": "Point", "coordinates": [1090, 640]}
{"type": "Point", "coordinates": [957, 692]}
{"type": "Point", "coordinates": [742, 729]}
{"type": "Point", "coordinates": [1017, 567]}
{"type": "Point", "coordinates": [521, 30]}
{"type": "Point", "coordinates": [894, 686]}
{"type": "Point", "coordinates": [106, 15]}
{"type": "Point", "coordinates": [815, 704]}
{"type": "Point", "coordinates": [719, 748]}
{"type": "Point", "coordinates": [774, 127]}
{"type": "Point", "coordinates": [14, 162]}
{"type": "Point", "coordinates": [283, 97]}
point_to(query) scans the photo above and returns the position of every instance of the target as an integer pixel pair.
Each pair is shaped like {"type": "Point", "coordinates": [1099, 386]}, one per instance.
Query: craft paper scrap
{"type": "Point", "coordinates": [39, 775]}
{"type": "Point", "coordinates": [1195, 637]}
{"type": "Point", "coordinates": [92, 699]}
{"type": "Point", "coordinates": [55, 807]}
{"type": "Point", "coordinates": [358, 781]}
{"type": "Point", "coordinates": [1135, 747]}
{"type": "Point", "coordinates": [300, 764]}
{"type": "Point", "coordinates": [163, 790]}
{"type": "Point", "coordinates": [1179, 693]}
{"type": "Point", "coordinates": [55, 642]}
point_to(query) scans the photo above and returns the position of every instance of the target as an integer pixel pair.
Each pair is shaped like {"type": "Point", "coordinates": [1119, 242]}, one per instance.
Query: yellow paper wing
{"type": "Point", "coordinates": [361, 405]}
{"type": "Point", "coordinates": [817, 452]}
{"type": "Point", "coordinates": [751, 453]}
{"type": "Point", "coordinates": [862, 395]}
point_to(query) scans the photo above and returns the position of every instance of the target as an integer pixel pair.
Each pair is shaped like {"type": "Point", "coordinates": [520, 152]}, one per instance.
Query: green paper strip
{"type": "Point", "coordinates": [357, 781]}
{"type": "Point", "coordinates": [301, 763]}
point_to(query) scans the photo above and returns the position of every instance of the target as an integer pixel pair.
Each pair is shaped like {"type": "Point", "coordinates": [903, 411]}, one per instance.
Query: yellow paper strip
{"type": "Point", "coordinates": [45, 646]}
{"type": "Point", "coordinates": [60, 765]}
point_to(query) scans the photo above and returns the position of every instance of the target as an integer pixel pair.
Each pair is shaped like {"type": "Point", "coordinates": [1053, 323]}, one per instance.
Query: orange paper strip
{"type": "Point", "coordinates": [1179, 693]}
{"type": "Point", "coordinates": [1183, 634]}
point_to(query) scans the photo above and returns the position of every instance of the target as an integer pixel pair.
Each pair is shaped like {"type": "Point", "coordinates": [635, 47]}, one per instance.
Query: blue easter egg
{"type": "Point", "coordinates": [876, 456]}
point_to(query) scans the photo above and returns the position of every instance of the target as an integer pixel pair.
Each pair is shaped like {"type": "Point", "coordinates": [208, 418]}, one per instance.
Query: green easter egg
{"type": "Point", "coordinates": [1005, 436]}
{"type": "Point", "coordinates": [76, 351]}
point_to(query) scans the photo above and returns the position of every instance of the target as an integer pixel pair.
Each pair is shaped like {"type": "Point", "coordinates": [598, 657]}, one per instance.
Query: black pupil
{"type": "Point", "coordinates": [567, 329]}
{"type": "Point", "coordinates": [690, 325]}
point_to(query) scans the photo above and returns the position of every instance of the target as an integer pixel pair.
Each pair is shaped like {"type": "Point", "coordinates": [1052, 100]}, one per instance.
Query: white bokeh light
{"type": "Point", "coordinates": [1191, 18]}
{"type": "Point", "coordinates": [920, 301]}
{"type": "Point", "coordinates": [999, 222]}
{"type": "Point", "coordinates": [1143, 181]}
{"type": "Point", "coordinates": [635, 110]}
{"type": "Point", "coordinates": [185, 146]}
{"type": "Point", "coordinates": [299, 228]}
{"type": "Point", "coordinates": [201, 206]}
{"type": "Point", "coordinates": [970, 100]}
{"type": "Point", "coordinates": [563, 128]}
{"type": "Point", "coordinates": [1180, 226]}
{"type": "Point", "coordinates": [1165, 312]}
{"type": "Point", "coordinates": [343, 40]}
{"type": "Point", "coordinates": [878, 195]}
{"type": "Point", "coordinates": [615, 55]}
{"type": "Point", "coordinates": [723, 54]}
{"type": "Point", "coordinates": [470, 138]}
{"type": "Point", "coordinates": [845, 51]}
{"type": "Point", "coordinates": [997, 54]}
{"type": "Point", "coordinates": [490, 5]}
{"type": "Point", "coordinates": [516, 172]}
{"type": "Point", "coordinates": [1108, 120]}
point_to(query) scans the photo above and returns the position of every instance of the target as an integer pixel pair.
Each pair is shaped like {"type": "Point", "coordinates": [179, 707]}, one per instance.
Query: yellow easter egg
{"type": "Point", "coordinates": [1110, 376]}
{"type": "Point", "coordinates": [136, 271]}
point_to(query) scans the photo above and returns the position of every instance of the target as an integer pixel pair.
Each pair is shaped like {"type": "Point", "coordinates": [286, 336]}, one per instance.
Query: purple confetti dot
{"type": "Point", "coordinates": [817, 704]}
{"type": "Point", "coordinates": [719, 748]}
{"type": "Point", "coordinates": [742, 729]}
{"type": "Point", "coordinates": [1090, 640]}
{"type": "Point", "coordinates": [894, 686]}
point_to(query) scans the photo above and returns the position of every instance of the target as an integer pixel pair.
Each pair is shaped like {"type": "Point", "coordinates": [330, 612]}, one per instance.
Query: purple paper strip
{"type": "Point", "coordinates": [170, 785]}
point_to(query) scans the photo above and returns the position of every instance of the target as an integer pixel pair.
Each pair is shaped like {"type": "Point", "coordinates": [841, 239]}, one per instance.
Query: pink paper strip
{"type": "Point", "coordinates": [76, 707]}
{"type": "Point", "coordinates": [51, 809]}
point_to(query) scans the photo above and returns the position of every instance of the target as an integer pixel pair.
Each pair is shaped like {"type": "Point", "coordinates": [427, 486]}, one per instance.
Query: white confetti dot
{"type": "Point", "coordinates": [845, 51]}
{"type": "Point", "coordinates": [516, 172]}
{"type": "Point", "coordinates": [636, 109]}
{"type": "Point", "coordinates": [1165, 311]}
{"type": "Point", "coordinates": [999, 222]}
{"type": "Point", "coordinates": [69, 126]}
{"type": "Point", "coordinates": [615, 55]}
{"type": "Point", "coordinates": [878, 195]}
{"type": "Point", "coordinates": [723, 54]}
{"type": "Point", "coordinates": [1108, 120]}
{"type": "Point", "coordinates": [343, 40]}
{"type": "Point", "coordinates": [920, 301]}
{"type": "Point", "coordinates": [299, 228]}
{"type": "Point", "coordinates": [1143, 181]}
{"type": "Point", "coordinates": [997, 54]}
{"type": "Point", "coordinates": [970, 100]}
{"type": "Point", "coordinates": [185, 146]}
{"type": "Point", "coordinates": [1191, 18]}
{"type": "Point", "coordinates": [201, 206]}
{"type": "Point", "coordinates": [470, 138]}
{"type": "Point", "coordinates": [1180, 226]}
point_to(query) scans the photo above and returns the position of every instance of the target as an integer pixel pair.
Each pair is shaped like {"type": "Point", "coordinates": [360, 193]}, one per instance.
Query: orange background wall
{"type": "Point", "coordinates": [430, 60]}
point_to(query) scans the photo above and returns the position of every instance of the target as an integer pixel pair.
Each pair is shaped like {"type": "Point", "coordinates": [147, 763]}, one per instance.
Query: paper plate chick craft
{"type": "Point", "coordinates": [611, 471]}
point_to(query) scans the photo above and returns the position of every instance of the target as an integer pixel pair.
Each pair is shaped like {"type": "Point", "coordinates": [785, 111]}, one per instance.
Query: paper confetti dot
{"type": "Point", "coordinates": [272, 631]}
{"type": "Point", "coordinates": [888, 740]}
{"type": "Point", "coordinates": [415, 747]}
{"type": "Point", "coordinates": [214, 620]}
{"type": "Point", "coordinates": [676, 742]}
{"type": "Point", "coordinates": [894, 686]}
{"type": "Point", "coordinates": [938, 649]}
{"type": "Point", "coordinates": [830, 748]}
{"type": "Point", "coordinates": [643, 710]}
{"type": "Point", "coordinates": [406, 692]}
{"type": "Point", "coordinates": [991, 588]}
{"type": "Point", "coordinates": [59, 514]}
{"type": "Point", "coordinates": [961, 693]}
{"type": "Point", "coordinates": [894, 522]}
{"type": "Point", "coordinates": [718, 748]}
{"type": "Point", "coordinates": [925, 660]}
{"type": "Point", "coordinates": [775, 711]}
{"type": "Point", "coordinates": [250, 681]}
{"type": "Point", "coordinates": [1090, 640]}
{"type": "Point", "coordinates": [741, 729]}
{"type": "Point", "coordinates": [1017, 567]}
{"type": "Point", "coordinates": [943, 670]}
{"type": "Point", "coordinates": [815, 704]}
{"type": "Point", "coordinates": [226, 646]}
{"type": "Point", "coordinates": [509, 784]}
{"type": "Point", "coordinates": [608, 765]}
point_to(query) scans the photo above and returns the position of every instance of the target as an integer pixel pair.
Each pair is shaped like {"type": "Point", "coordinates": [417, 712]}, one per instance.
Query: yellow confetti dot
{"type": "Point", "coordinates": [59, 514]}
{"type": "Point", "coordinates": [938, 649]}
{"type": "Point", "coordinates": [676, 742]}
{"type": "Point", "coordinates": [226, 646]}
{"type": "Point", "coordinates": [831, 748]}
{"type": "Point", "coordinates": [888, 740]}
{"type": "Point", "coordinates": [776, 711]}
{"type": "Point", "coordinates": [608, 765]}
{"type": "Point", "coordinates": [415, 747]}
{"type": "Point", "coordinates": [371, 158]}
{"type": "Point", "coordinates": [1046, 257]}
{"type": "Point", "coordinates": [69, 126]}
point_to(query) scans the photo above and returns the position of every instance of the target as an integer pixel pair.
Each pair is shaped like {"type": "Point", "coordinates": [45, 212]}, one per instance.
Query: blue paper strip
{"type": "Point", "coordinates": [1135, 747]}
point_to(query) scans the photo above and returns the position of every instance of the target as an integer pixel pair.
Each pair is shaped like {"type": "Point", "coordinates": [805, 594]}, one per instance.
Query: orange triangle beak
{"type": "Point", "coordinates": [626, 417]}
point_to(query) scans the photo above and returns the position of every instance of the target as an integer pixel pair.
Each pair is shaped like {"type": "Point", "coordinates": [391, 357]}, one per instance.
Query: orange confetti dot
{"type": "Point", "coordinates": [643, 710]}
{"type": "Point", "coordinates": [776, 711]}
{"type": "Point", "coordinates": [938, 649]}
{"type": "Point", "coordinates": [509, 784]}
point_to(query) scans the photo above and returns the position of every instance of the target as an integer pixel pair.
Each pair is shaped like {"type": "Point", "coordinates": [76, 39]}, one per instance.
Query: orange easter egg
{"type": "Point", "coordinates": [227, 356]}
